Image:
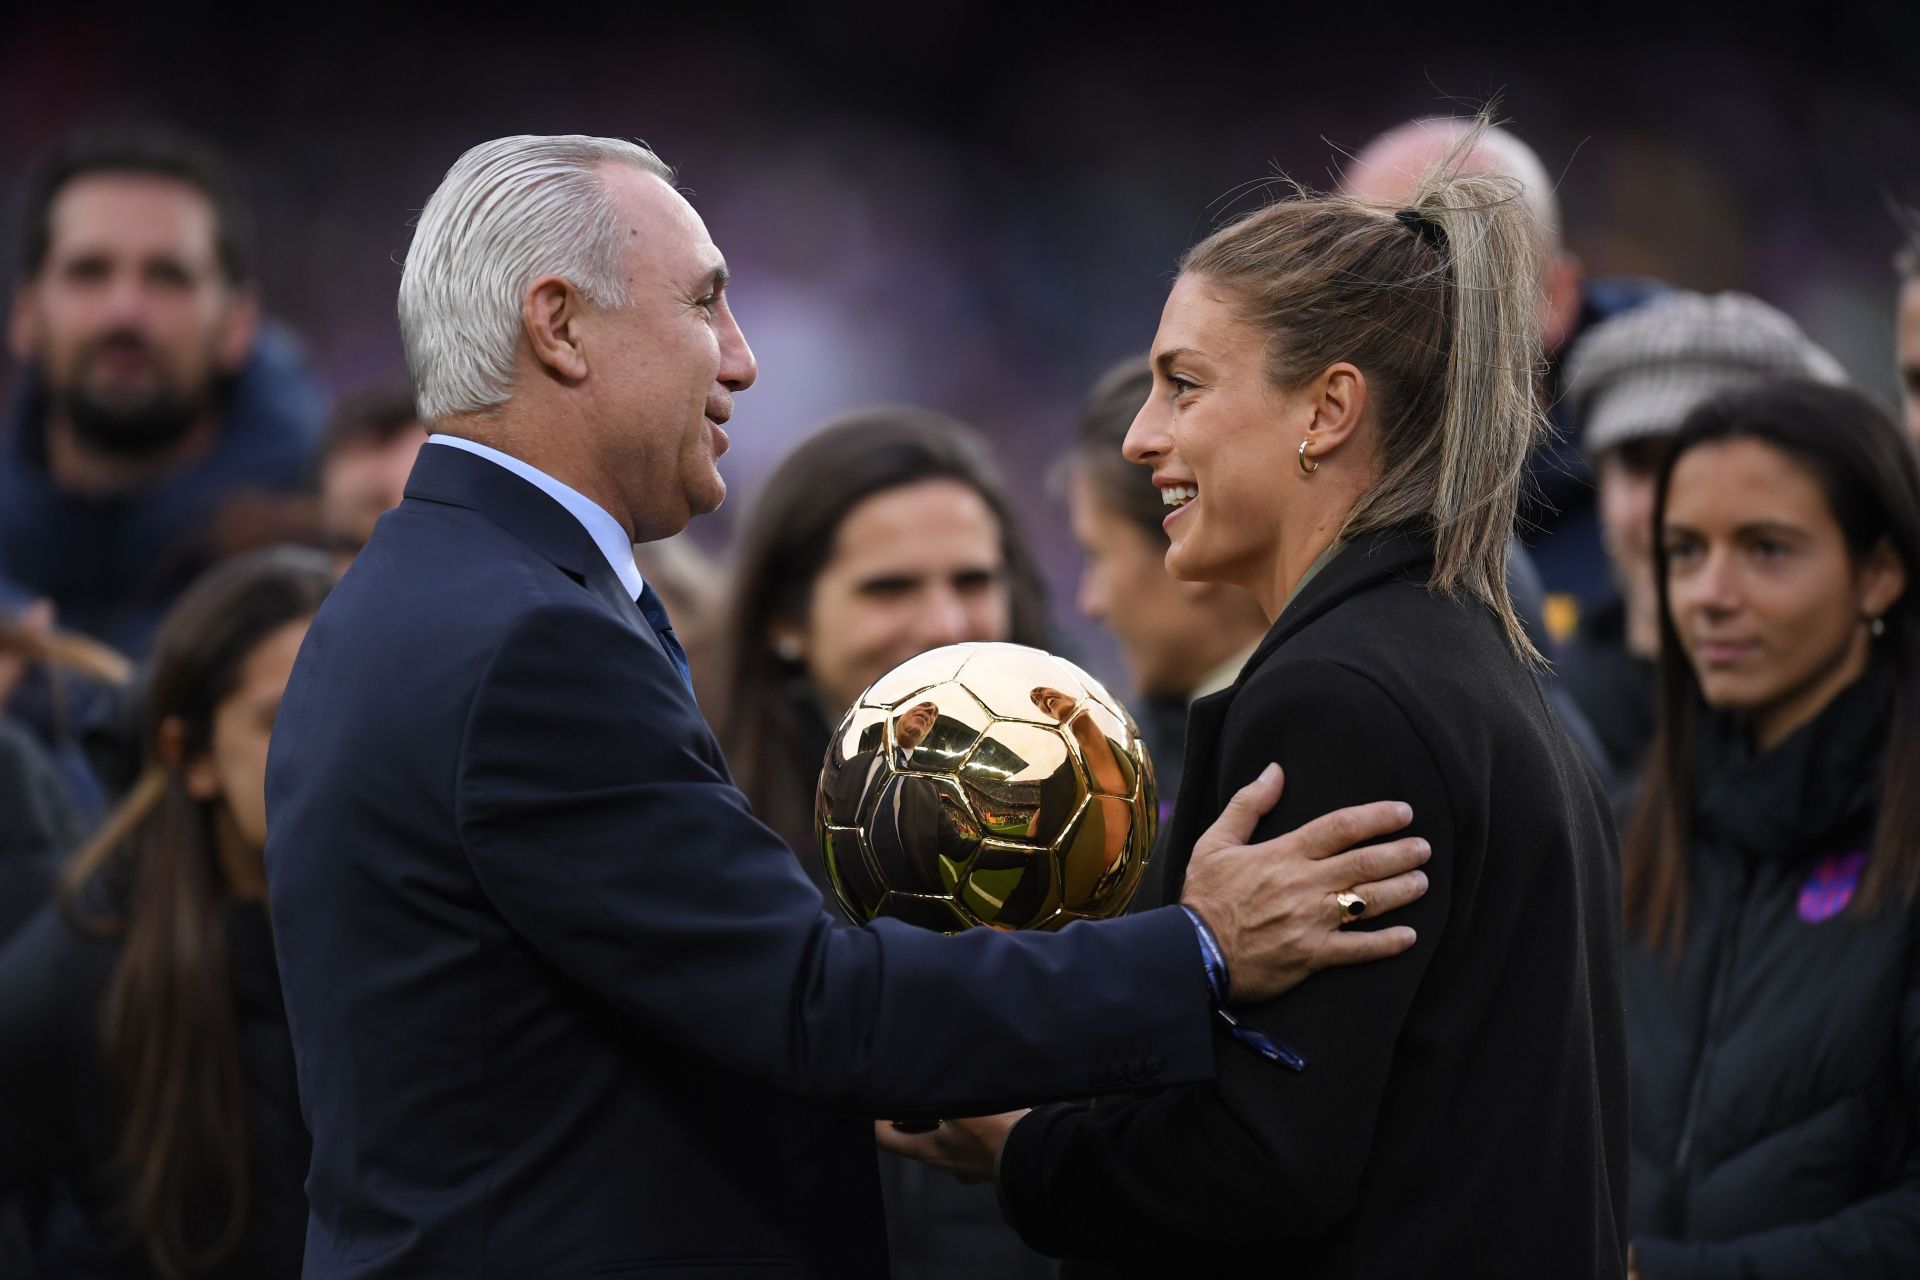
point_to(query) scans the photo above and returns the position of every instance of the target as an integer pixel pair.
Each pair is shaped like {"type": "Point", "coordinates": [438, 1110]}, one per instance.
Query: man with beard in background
{"type": "Point", "coordinates": [152, 394]}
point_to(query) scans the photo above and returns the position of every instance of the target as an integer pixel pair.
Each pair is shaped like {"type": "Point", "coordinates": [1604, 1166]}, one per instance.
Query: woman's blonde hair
{"type": "Point", "coordinates": [1437, 305]}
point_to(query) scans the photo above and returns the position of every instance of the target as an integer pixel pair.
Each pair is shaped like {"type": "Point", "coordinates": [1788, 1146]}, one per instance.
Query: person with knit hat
{"type": "Point", "coordinates": [1630, 383]}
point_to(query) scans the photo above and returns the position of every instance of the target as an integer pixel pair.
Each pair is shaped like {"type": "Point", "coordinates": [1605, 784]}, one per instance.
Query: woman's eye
{"type": "Point", "coordinates": [1681, 551]}
{"type": "Point", "coordinates": [1180, 385]}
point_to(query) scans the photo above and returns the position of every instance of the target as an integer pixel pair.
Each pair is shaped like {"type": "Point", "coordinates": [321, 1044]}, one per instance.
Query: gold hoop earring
{"type": "Point", "coordinates": [1303, 458]}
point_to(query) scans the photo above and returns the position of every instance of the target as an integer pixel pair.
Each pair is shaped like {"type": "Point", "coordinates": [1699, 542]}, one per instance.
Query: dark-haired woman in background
{"type": "Point", "coordinates": [887, 534]}
{"type": "Point", "coordinates": [1773, 1002]}
{"type": "Point", "coordinates": [144, 1056]}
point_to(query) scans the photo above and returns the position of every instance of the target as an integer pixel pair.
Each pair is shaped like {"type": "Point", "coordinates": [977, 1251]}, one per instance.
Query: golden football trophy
{"type": "Point", "coordinates": [986, 784]}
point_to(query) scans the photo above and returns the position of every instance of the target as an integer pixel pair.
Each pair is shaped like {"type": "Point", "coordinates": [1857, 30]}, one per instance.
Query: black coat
{"type": "Point", "coordinates": [59, 1109]}
{"type": "Point", "coordinates": [1776, 1068]}
{"type": "Point", "coordinates": [1462, 1111]}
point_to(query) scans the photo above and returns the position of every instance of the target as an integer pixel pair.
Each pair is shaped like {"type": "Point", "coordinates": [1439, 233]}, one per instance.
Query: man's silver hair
{"type": "Point", "coordinates": [509, 212]}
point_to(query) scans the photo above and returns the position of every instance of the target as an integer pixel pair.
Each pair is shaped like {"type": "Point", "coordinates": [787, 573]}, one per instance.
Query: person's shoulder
{"type": "Point", "coordinates": [1316, 692]}
{"type": "Point", "coordinates": [62, 957]}
{"type": "Point", "coordinates": [1401, 623]}
{"type": "Point", "coordinates": [441, 557]}
{"type": "Point", "coordinates": [277, 404]}
{"type": "Point", "coordinates": [1433, 657]}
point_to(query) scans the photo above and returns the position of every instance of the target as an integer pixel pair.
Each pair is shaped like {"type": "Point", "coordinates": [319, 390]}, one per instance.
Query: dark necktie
{"type": "Point", "coordinates": [656, 615]}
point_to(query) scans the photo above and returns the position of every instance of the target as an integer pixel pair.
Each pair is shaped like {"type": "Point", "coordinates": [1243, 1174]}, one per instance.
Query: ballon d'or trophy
{"type": "Point", "coordinates": [986, 784]}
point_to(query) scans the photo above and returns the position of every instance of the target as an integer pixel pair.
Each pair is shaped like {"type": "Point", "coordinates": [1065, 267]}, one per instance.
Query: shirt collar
{"type": "Point", "coordinates": [1222, 676]}
{"type": "Point", "coordinates": [594, 518]}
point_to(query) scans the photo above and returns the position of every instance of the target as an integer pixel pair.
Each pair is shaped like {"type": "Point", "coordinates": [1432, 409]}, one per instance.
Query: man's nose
{"type": "Point", "coordinates": [738, 369]}
{"type": "Point", "coordinates": [126, 299]}
{"type": "Point", "coordinates": [1090, 599]}
{"type": "Point", "coordinates": [943, 619]}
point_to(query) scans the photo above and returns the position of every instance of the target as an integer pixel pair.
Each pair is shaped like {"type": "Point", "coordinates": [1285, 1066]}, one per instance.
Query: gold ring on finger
{"type": "Point", "coordinates": [1352, 905]}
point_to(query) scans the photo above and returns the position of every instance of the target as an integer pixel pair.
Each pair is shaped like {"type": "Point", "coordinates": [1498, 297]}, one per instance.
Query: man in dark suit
{"type": "Point", "coordinates": [560, 1005]}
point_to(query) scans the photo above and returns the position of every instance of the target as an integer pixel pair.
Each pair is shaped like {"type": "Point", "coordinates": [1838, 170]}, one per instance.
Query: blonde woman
{"type": "Point", "coordinates": [1343, 402]}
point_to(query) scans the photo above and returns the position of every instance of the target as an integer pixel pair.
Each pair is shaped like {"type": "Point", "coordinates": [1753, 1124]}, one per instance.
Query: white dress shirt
{"type": "Point", "coordinates": [594, 518]}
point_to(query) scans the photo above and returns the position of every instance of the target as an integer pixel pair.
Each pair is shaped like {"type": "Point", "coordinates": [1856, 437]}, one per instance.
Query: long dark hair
{"type": "Point", "coordinates": [153, 877]}
{"type": "Point", "coordinates": [1108, 412]}
{"type": "Point", "coordinates": [1871, 481]}
{"type": "Point", "coordinates": [772, 737]}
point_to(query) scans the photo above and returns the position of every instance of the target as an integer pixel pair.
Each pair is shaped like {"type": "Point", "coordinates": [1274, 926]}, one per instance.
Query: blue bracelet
{"type": "Point", "coordinates": [1215, 962]}
{"type": "Point", "coordinates": [1211, 957]}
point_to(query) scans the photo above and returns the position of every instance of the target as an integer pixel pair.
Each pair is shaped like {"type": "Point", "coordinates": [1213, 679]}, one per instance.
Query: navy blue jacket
{"type": "Point", "coordinates": [113, 565]}
{"type": "Point", "coordinates": [560, 1005]}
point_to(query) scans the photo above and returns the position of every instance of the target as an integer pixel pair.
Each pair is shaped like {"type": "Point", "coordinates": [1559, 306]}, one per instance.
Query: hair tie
{"type": "Point", "coordinates": [1425, 227]}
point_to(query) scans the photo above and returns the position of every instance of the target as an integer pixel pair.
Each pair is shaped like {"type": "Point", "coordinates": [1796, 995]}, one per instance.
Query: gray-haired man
{"type": "Point", "coordinates": [560, 1005]}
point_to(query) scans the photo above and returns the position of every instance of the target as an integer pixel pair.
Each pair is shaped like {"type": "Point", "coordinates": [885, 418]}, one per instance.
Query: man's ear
{"type": "Point", "coordinates": [243, 326]}
{"type": "Point", "coordinates": [1339, 400]}
{"type": "Point", "coordinates": [550, 315]}
{"type": "Point", "coordinates": [1561, 306]}
{"type": "Point", "coordinates": [20, 317]}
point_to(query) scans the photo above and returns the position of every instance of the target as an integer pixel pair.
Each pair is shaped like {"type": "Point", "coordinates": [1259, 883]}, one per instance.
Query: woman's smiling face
{"type": "Point", "coordinates": [1220, 438]}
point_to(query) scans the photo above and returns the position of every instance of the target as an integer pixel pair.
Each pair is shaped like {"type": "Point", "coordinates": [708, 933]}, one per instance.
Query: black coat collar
{"type": "Point", "coordinates": [1396, 552]}
{"type": "Point", "coordinates": [453, 476]}
{"type": "Point", "coordinates": [1819, 786]}
{"type": "Point", "coordinates": [1370, 558]}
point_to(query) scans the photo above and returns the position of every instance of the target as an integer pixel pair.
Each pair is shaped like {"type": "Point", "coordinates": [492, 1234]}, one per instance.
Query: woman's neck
{"type": "Point", "coordinates": [1291, 560]}
{"type": "Point", "coordinates": [1775, 723]}
{"type": "Point", "coordinates": [241, 865]}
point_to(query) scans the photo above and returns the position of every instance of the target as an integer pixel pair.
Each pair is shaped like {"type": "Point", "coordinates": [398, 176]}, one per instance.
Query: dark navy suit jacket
{"type": "Point", "coordinates": [560, 1005]}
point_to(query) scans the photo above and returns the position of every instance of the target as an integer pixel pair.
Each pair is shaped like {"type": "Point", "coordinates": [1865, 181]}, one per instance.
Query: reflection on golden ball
{"type": "Point", "coordinates": [986, 784]}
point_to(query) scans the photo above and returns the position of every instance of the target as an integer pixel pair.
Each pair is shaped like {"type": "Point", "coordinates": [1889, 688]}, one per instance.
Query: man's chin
{"type": "Point", "coordinates": [708, 500]}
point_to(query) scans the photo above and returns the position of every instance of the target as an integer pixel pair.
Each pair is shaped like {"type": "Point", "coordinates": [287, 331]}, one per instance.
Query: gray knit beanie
{"type": "Point", "coordinates": [1640, 373]}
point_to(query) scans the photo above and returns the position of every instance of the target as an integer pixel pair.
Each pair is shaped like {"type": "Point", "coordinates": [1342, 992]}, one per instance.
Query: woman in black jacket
{"type": "Point", "coordinates": [145, 1066]}
{"type": "Point", "coordinates": [1343, 404]}
{"type": "Point", "coordinates": [1773, 1004]}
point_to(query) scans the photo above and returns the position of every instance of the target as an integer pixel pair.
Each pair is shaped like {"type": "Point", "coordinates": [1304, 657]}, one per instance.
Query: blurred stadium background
{"type": "Point", "coordinates": [979, 211]}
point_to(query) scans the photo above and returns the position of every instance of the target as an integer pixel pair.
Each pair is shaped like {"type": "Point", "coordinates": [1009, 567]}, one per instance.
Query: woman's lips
{"type": "Point", "coordinates": [1725, 653]}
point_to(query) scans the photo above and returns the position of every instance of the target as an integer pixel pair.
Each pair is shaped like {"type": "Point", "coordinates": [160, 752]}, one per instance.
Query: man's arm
{"type": "Point", "coordinates": [601, 832]}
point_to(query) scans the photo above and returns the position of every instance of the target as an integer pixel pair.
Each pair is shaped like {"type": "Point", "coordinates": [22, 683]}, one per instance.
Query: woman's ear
{"type": "Point", "coordinates": [195, 770]}
{"type": "Point", "coordinates": [1882, 579]}
{"type": "Point", "coordinates": [1339, 401]}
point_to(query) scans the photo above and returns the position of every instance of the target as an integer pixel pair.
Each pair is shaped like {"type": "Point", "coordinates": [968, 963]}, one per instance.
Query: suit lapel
{"type": "Point", "coordinates": [461, 479]}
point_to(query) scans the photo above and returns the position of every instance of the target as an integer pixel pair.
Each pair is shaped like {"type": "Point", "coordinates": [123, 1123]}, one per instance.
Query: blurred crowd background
{"type": "Point", "coordinates": [975, 214]}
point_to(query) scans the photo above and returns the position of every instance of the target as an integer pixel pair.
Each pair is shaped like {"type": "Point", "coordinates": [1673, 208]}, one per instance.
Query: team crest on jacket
{"type": "Point", "coordinates": [1829, 888]}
